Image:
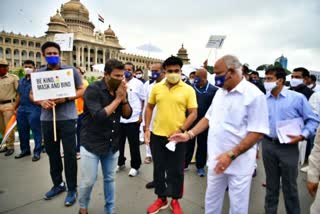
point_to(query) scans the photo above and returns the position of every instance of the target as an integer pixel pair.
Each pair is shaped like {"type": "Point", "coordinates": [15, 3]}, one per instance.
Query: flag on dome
{"type": "Point", "coordinates": [101, 19]}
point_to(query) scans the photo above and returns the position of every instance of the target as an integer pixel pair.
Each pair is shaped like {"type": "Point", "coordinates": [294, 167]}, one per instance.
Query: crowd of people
{"type": "Point", "coordinates": [230, 118]}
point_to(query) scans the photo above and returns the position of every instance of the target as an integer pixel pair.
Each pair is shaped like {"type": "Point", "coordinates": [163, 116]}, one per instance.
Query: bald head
{"type": "Point", "coordinates": [156, 67]}
{"type": "Point", "coordinates": [202, 73]}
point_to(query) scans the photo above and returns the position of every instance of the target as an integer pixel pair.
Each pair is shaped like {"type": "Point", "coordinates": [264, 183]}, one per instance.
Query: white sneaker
{"type": "Point", "coordinates": [304, 169]}
{"type": "Point", "coordinates": [133, 172]}
{"type": "Point", "coordinates": [119, 168]}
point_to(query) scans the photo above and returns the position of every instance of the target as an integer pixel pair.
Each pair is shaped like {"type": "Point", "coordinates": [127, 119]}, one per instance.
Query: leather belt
{"type": "Point", "coordinates": [7, 101]}
{"type": "Point", "coordinates": [273, 140]}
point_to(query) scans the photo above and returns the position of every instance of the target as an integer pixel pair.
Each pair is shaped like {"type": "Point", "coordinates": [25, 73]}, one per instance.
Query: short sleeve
{"type": "Point", "coordinates": [152, 96]}
{"type": "Point", "coordinates": [258, 116]}
{"type": "Point", "coordinates": [192, 99]}
{"type": "Point", "coordinates": [77, 78]}
{"type": "Point", "coordinates": [16, 82]}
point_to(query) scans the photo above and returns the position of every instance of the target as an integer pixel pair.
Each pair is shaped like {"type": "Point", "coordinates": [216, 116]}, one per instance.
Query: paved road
{"type": "Point", "coordinates": [23, 183]}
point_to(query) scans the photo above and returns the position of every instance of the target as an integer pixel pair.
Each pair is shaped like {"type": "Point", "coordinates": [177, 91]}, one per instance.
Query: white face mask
{"type": "Point", "coordinates": [269, 86]}
{"type": "Point", "coordinates": [191, 81]}
{"type": "Point", "coordinates": [139, 76]}
{"type": "Point", "coordinates": [295, 82]}
{"type": "Point", "coordinates": [28, 70]}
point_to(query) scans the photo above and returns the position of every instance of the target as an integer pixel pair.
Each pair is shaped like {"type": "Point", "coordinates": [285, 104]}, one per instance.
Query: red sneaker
{"type": "Point", "coordinates": [175, 207]}
{"type": "Point", "coordinates": [157, 206]}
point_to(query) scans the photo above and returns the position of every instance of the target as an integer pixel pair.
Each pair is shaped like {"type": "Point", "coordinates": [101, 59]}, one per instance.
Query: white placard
{"type": "Point", "coordinates": [53, 84]}
{"type": "Point", "coordinates": [215, 41]}
{"type": "Point", "coordinates": [65, 40]}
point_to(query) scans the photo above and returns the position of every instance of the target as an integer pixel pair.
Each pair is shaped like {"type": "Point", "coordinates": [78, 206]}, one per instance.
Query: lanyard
{"type": "Point", "coordinates": [200, 92]}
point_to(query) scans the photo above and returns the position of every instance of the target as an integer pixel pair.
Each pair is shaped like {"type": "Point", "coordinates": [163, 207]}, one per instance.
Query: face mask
{"type": "Point", "coordinates": [295, 82]}
{"type": "Point", "coordinates": [191, 81]}
{"type": "Point", "coordinates": [114, 83]}
{"type": "Point", "coordinates": [3, 71]}
{"type": "Point", "coordinates": [127, 74]}
{"type": "Point", "coordinates": [254, 81]}
{"type": "Point", "coordinates": [53, 60]}
{"type": "Point", "coordinates": [28, 70]}
{"type": "Point", "coordinates": [155, 75]}
{"type": "Point", "coordinates": [197, 80]}
{"type": "Point", "coordinates": [219, 80]}
{"type": "Point", "coordinates": [173, 78]}
{"type": "Point", "coordinates": [269, 86]}
{"type": "Point", "coordinates": [139, 76]}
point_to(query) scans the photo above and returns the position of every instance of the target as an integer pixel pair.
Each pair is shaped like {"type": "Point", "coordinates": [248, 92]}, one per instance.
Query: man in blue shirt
{"type": "Point", "coordinates": [28, 116]}
{"type": "Point", "coordinates": [205, 93]}
{"type": "Point", "coordinates": [66, 120]}
{"type": "Point", "coordinates": [281, 160]}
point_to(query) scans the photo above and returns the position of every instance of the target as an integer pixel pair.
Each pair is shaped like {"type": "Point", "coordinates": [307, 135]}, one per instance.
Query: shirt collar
{"type": "Point", "coordinates": [239, 88]}
{"type": "Point", "coordinates": [284, 93]}
{"type": "Point", "coordinates": [164, 81]}
{"type": "Point", "coordinates": [5, 76]}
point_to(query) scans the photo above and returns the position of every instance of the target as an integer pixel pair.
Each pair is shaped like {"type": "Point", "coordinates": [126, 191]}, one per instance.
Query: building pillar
{"type": "Point", "coordinates": [78, 55]}
{"type": "Point", "coordinates": [20, 58]}
{"type": "Point", "coordinates": [95, 56]}
{"type": "Point", "coordinates": [104, 56]}
{"type": "Point", "coordinates": [82, 57]}
{"type": "Point", "coordinates": [89, 63]}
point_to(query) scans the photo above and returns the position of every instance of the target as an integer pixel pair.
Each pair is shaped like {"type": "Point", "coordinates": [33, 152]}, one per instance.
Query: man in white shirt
{"type": "Point", "coordinates": [237, 119]}
{"type": "Point", "coordinates": [129, 128]}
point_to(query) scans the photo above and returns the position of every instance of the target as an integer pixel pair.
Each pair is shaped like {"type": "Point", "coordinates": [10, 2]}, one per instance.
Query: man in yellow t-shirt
{"type": "Point", "coordinates": [176, 110]}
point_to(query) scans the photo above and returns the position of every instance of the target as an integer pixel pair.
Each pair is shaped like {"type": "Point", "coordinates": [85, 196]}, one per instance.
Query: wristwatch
{"type": "Point", "coordinates": [231, 155]}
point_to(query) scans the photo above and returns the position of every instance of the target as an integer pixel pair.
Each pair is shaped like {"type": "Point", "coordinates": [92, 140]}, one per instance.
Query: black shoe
{"type": "Point", "coordinates": [9, 152]}
{"type": "Point", "coordinates": [43, 149]}
{"type": "Point", "coordinates": [150, 185]}
{"type": "Point", "coordinates": [3, 149]}
{"type": "Point", "coordinates": [22, 154]}
{"type": "Point", "coordinates": [35, 158]}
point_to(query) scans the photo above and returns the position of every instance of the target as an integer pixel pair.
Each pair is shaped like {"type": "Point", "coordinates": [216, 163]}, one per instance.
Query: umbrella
{"type": "Point", "coordinates": [149, 48]}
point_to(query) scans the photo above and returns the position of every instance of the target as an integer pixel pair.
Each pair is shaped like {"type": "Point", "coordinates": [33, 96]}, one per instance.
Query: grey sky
{"type": "Point", "coordinates": [257, 31]}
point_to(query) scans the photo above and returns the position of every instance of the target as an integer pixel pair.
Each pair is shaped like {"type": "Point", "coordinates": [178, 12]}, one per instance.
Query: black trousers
{"type": "Point", "coordinates": [281, 161]}
{"type": "Point", "coordinates": [201, 153]}
{"type": "Point", "coordinates": [130, 131]}
{"type": "Point", "coordinates": [66, 132]}
{"type": "Point", "coordinates": [168, 167]}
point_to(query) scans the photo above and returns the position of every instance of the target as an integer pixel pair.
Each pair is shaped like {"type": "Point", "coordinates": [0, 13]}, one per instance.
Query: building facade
{"type": "Point", "coordinates": [89, 47]}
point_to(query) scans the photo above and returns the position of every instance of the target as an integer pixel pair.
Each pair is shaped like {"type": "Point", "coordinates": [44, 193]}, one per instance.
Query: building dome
{"type": "Point", "coordinates": [182, 50]}
{"type": "Point", "coordinates": [109, 32]}
{"type": "Point", "coordinates": [74, 7]}
{"type": "Point", "coordinates": [57, 18]}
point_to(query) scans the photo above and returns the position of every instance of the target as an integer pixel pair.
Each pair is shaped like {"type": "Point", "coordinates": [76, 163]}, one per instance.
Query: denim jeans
{"type": "Point", "coordinates": [89, 172]}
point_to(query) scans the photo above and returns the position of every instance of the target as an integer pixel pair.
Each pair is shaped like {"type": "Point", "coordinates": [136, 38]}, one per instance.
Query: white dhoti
{"type": "Point", "coordinates": [239, 192]}
{"type": "Point", "coordinates": [315, 206]}
{"type": "Point", "coordinates": [148, 151]}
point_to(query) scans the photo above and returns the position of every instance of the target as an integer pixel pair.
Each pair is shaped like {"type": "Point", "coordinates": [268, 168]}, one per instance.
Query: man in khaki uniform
{"type": "Point", "coordinates": [8, 93]}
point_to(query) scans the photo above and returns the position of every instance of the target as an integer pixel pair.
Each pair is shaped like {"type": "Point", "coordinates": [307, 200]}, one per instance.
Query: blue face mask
{"type": "Point", "coordinates": [254, 81]}
{"type": "Point", "coordinates": [219, 80]}
{"type": "Point", "coordinates": [197, 80]}
{"type": "Point", "coordinates": [53, 60]}
{"type": "Point", "coordinates": [127, 74]}
{"type": "Point", "coordinates": [155, 75]}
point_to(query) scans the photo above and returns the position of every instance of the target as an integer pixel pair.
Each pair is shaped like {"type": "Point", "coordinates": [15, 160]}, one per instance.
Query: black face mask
{"type": "Point", "coordinates": [114, 83]}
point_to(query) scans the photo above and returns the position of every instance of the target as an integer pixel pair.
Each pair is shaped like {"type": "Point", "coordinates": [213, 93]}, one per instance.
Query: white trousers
{"type": "Point", "coordinates": [239, 192]}
{"type": "Point", "coordinates": [148, 151]}
{"type": "Point", "coordinates": [315, 206]}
